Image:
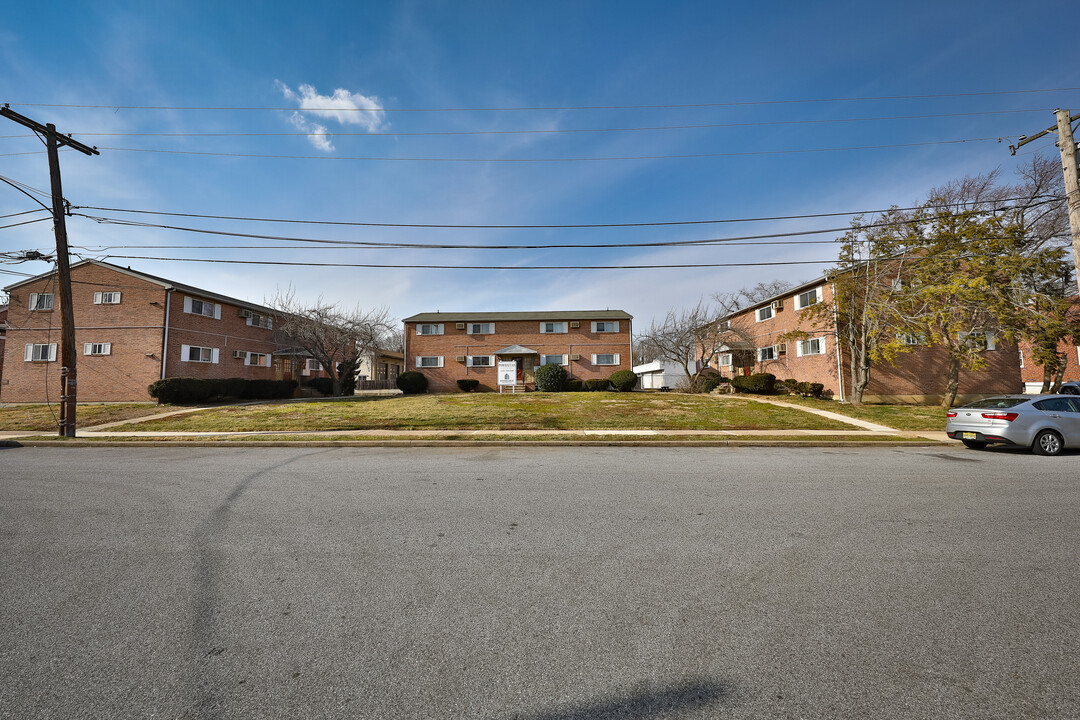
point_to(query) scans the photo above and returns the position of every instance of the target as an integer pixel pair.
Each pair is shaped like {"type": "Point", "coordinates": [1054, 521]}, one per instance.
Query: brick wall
{"type": "Point", "coordinates": [133, 328]}
{"type": "Point", "coordinates": [3, 337]}
{"type": "Point", "coordinates": [456, 342]}
{"type": "Point", "coordinates": [225, 333]}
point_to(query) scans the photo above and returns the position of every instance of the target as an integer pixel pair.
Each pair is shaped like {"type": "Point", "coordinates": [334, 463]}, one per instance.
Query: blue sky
{"type": "Point", "coordinates": [751, 65]}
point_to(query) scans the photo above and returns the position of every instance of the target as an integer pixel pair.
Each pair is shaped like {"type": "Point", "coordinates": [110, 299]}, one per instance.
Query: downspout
{"type": "Point", "coordinates": [165, 337]}
{"type": "Point", "coordinates": [836, 334]}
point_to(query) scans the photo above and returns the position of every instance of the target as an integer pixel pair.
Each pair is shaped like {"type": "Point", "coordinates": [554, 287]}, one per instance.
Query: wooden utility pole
{"type": "Point", "coordinates": [53, 142]}
{"type": "Point", "coordinates": [1067, 146]}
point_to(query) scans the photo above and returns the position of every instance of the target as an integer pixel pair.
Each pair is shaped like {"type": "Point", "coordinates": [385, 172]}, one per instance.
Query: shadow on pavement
{"type": "Point", "coordinates": [651, 703]}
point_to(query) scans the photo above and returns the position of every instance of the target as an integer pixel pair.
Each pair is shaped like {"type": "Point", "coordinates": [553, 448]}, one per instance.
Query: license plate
{"type": "Point", "coordinates": [970, 436]}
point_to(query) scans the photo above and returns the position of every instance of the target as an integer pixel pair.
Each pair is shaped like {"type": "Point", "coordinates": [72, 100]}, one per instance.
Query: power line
{"type": "Point", "coordinates": [667, 106]}
{"type": "Point", "coordinates": [686, 156]}
{"type": "Point", "coordinates": [546, 131]}
{"type": "Point", "coordinates": [1043, 199]}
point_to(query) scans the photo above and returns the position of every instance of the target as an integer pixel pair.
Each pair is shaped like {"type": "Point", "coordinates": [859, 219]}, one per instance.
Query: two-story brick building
{"type": "Point", "coordinates": [3, 337]}
{"type": "Point", "coordinates": [131, 329]}
{"type": "Point", "coordinates": [447, 347]}
{"type": "Point", "coordinates": [757, 344]}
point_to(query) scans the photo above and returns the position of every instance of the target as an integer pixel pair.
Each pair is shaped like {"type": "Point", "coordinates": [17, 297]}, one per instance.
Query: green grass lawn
{"type": "Point", "coordinates": [47, 417]}
{"type": "Point", "coordinates": [492, 411]}
{"type": "Point", "coordinates": [898, 417]}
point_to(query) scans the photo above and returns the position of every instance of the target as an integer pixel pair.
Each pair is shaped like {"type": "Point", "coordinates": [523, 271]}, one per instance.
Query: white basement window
{"type": "Point", "coordinates": [107, 298]}
{"type": "Point", "coordinates": [429, 361]}
{"type": "Point", "coordinates": [41, 353]}
{"type": "Point", "coordinates": [194, 353]}
{"type": "Point", "coordinates": [97, 348]}
{"type": "Point", "coordinates": [605, 359]}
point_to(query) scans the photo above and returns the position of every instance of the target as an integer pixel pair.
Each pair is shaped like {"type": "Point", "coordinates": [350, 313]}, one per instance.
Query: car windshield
{"type": "Point", "coordinates": [999, 402]}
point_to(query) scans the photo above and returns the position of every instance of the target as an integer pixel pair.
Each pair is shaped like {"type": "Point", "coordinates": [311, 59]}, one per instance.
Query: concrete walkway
{"type": "Point", "coordinates": [865, 425]}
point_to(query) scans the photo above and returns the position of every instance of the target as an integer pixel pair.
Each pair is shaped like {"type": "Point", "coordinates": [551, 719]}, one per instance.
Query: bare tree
{"type": "Point", "coordinates": [334, 336]}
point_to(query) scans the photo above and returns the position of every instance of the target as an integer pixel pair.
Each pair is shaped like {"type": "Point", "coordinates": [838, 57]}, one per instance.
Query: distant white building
{"type": "Point", "coordinates": [661, 373]}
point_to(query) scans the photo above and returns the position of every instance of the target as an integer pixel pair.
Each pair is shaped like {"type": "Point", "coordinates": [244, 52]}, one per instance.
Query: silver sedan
{"type": "Point", "coordinates": [1046, 423]}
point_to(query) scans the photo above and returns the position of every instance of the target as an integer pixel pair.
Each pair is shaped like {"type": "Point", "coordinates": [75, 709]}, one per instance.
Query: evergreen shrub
{"type": "Point", "coordinates": [550, 378]}
{"type": "Point", "coordinates": [412, 382]}
{"type": "Point", "coordinates": [467, 384]}
{"type": "Point", "coordinates": [623, 380]}
{"type": "Point", "coordinates": [597, 384]}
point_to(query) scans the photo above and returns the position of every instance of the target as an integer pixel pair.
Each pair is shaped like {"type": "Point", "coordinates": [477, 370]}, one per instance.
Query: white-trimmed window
{"type": "Point", "coordinates": [552, 359]}
{"type": "Point", "coordinates": [97, 348]}
{"type": "Point", "coordinates": [263, 321]}
{"type": "Point", "coordinates": [605, 326]}
{"type": "Point", "coordinates": [311, 365]}
{"type": "Point", "coordinates": [429, 329]}
{"type": "Point", "coordinates": [43, 352]}
{"type": "Point", "coordinates": [911, 339]}
{"type": "Point", "coordinates": [1021, 358]}
{"type": "Point", "coordinates": [766, 353]}
{"type": "Point", "coordinates": [107, 298]}
{"type": "Point", "coordinates": [978, 339]}
{"type": "Point", "coordinates": [605, 359]}
{"type": "Point", "coordinates": [429, 361]}
{"type": "Point", "coordinates": [257, 359]}
{"type": "Point", "coordinates": [479, 361]}
{"type": "Point", "coordinates": [194, 306]}
{"type": "Point", "coordinates": [194, 353]}
{"type": "Point", "coordinates": [724, 360]}
{"type": "Point", "coordinates": [481, 328]}
{"type": "Point", "coordinates": [813, 346]}
{"type": "Point", "coordinates": [764, 313]}
{"type": "Point", "coordinates": [547, 328]}
{"type": "Point", "coordinates": [41, 301]}
{"type": "Point", "coordinates": [808, 298]}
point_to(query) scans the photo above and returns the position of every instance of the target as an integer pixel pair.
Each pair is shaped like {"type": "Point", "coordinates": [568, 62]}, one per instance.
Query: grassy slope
{"type": "Point", "coordinates": [899, 417]}
{"type": "Point", "coordinates": [491, 411]}
{"type": "Point", "coordinates": [45, 417]}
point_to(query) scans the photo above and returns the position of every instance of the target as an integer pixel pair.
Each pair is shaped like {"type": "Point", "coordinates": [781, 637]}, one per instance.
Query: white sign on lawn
{"type": "Point", "coordinates": [508, 373]}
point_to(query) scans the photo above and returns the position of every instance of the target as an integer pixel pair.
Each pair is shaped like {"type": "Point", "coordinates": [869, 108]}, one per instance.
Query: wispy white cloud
{"type": "Point", "coordinates": [343, 107]}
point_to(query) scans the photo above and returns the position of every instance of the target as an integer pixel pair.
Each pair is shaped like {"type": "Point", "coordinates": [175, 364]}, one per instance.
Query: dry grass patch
{"type": "Point", "coordinates": [47, 417]}
{"type": "Point", "coordinates": [898, 417]}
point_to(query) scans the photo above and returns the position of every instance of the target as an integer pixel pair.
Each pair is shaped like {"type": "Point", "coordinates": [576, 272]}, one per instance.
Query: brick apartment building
{"type": "Point", "coordinates": [918, 376]}
{"type": "Point", "coordinates": [1032, 374]}
{"type": "Point", "coordinates": [132, 329]}
{"type": "Point", "coordinates": [447, 347]}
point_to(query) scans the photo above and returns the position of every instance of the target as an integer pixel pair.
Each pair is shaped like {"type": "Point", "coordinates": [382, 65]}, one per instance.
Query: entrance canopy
{"type": "Point", "coordinates": [516, 350]}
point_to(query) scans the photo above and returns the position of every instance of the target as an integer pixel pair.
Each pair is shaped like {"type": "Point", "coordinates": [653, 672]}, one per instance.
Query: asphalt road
{"type": "Point", "coordinates": [538, 583]}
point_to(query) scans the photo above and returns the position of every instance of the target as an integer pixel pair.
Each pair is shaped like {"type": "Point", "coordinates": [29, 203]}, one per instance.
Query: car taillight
{"type": "Point", "coordinates": [950, 414]}
{"type": "Point", "coordinates": [1007, 417]}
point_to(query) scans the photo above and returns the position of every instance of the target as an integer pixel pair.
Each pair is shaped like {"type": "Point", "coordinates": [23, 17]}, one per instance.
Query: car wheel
{"type": "Point", "coordinates": [1048, 442]}
{"type": "Point", "coordinates": [1070, 391]}
{"type": "Point", "coordinates": [974, 444]}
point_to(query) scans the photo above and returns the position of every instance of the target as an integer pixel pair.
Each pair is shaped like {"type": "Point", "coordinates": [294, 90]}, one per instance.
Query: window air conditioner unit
{"type": "Point", "coordinates": [575, 324]}
{"type": "Point", "coordinates": [781, 349]}
{"type": "Point", "coordinates": [777, 304]}
{"type": "Point", "coordinates": [245, 313]}
{"type": "Point", "coordinates": [460, 326]}
{"type": "Point", "coordinates": [575, 357]}
{"type": "Point", "coordinates": [461, 358]}
{"type": "Point", "coordinates": [239, 354]}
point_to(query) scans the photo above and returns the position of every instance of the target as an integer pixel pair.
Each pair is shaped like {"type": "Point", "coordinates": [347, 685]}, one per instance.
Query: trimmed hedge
{"type": "Point", "coordinates": [189, 390]}
{"type": "Point", "coordinates": [623, 380]}
{"type": "Point", "coordinates": [323, 384]}
{"type": "Point", "coordinates": [550, 378]}
{"type": "Point", "coordinates": [412, 382]}
{"type": "Point", "coordinates": [574, 385]}
{"type": "Point", "coordinates": [758, 383]}
{"type": "Point", "coordinates": [467, 384]}
{"type": "Point", "coordinates": [597, 384]}
{"type": "Point", "coordinates": [709, 383]}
